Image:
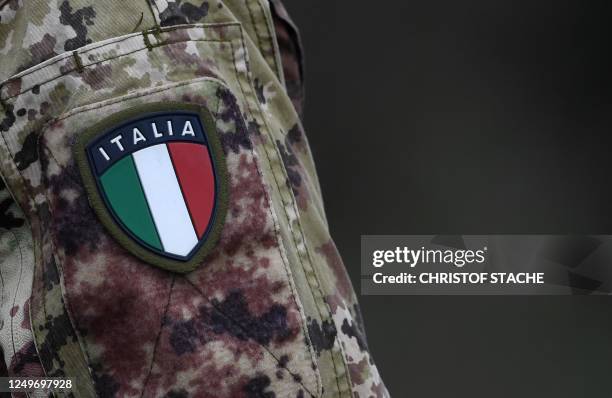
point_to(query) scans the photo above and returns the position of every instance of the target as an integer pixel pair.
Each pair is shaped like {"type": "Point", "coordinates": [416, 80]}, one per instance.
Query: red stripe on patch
{"type": "Point", "coordinates": [195, 174]}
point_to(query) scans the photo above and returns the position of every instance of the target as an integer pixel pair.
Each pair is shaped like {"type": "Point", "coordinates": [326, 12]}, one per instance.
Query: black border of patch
{"type": "Point", "coordinates": [98, 201]}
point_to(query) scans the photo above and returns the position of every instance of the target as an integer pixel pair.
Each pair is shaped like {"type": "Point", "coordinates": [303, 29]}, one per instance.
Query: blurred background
{"type": "Point", "coordinates": [467, 117]}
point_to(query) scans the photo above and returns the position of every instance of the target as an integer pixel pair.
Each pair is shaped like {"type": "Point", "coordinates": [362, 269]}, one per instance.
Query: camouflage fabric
{"type": "Point", "coordinates": [292, 54]}
{"type": "Point", "coordinates": [270, 312]}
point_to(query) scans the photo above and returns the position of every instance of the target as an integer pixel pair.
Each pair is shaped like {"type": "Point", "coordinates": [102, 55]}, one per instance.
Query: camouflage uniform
{"type": "Point", "coordinates": [270, 312]}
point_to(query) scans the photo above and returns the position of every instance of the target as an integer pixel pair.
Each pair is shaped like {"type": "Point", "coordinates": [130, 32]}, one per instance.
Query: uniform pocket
{"type": "Point", "coordinates": [231, 322]}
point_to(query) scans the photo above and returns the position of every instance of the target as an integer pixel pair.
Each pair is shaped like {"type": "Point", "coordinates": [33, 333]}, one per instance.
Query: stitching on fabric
{"type": "Point", "coordinates": [44, 310]}
{"type": "Point", "coordinates": [65, 56]}
{"type": "Point", "coordinates": [301, 232]}
{"type": "Point", "coordinates": [105, 43]}
{"type": "Point", "coordinates": [318, 378]}
{"type": "Point", "coordinates": [109, 59]}
{"type": "Point", "coordinates": [17, 288]}
{"type": "Point", "coordinates": [67, 308]}
{"type": "Point", "coordinates": [15, 297]}
{"type": "Point", "coordinates": [77, 61]}
{"type": "Point", "coordinates": [21, 185]}
{"type": "Point", "coordinates": [248, 7]}
{"type": "Point", "coordinates": [30, 197]}
{"type": "Point", "coordinates": [271, 38]}
{"type": "Point", "coordinates": [293, 293]}
{"type": "Point", "coordinates": [2, 294]}
{"type": "Point", "coordinates": [66, 73]}
{"type": "Point", "coordinates": [138, 23]}
{"type": "Point", "coordinates": [158, 338]}
{"type": "Point", "coordinates": [106, 218]}
{"type": "Point", "coordinates": [60, 274]}
{"type": "Point", "coordinates": [43, 297]}
{"type": "Point", "coordinates": [279, 188]}
{"type": "Point", "coordinates": [25, 190]}
{"type": "Point", "coordinates": [57, 269]}
{"type": "Point", "coordinates": [147, 42]}
{"type": "Point", "coordinates": [103, 104]}
{"type": "Point", "coordinates": [246, 331]}
{"type": "Point", "coordinates": [129, 97]}
{"type": "Point", "coordinates": [304, 328]}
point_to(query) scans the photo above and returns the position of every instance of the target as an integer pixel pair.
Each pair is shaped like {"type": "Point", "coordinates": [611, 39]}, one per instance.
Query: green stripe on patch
{"type": "Point", "coordinates": [126, 197]}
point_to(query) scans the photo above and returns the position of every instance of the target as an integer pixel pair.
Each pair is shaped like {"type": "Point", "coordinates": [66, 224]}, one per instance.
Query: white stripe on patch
{"type": "Point", "coordinates": [161, 187]}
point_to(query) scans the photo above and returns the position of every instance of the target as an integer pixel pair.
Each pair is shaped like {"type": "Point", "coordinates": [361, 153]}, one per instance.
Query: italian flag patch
{"type": "Point", "coordinates": [155, 177]}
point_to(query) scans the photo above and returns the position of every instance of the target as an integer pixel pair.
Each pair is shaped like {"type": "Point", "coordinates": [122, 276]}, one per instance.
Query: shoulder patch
{"type": "Point", "coordinates": [155, 176]}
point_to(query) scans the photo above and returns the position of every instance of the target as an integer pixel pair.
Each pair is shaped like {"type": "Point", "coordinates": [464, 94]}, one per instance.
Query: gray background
{"type": "Point", "coordinates": [467, 117]}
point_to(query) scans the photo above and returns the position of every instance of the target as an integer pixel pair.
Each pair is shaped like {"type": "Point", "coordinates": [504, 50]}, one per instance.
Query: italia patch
{"type": "Point", "coordinates": [155, 176]}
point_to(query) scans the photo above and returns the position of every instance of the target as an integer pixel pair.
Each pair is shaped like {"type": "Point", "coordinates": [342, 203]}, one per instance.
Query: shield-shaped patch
{"type": "Point", "coordinates": [155, 176]}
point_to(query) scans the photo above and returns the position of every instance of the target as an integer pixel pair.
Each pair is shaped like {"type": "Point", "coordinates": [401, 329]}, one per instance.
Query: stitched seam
{"type": "Point", "coordinates": [16, 289]}
{"type": "Point", "coordinates": [294, 292]}
{"type": "Point", "coordinates": [60, 275]}
{"type": "Point", "coordinates": [26, 191]}
{"type": "Point", "coordinates": [138, 23]}
{"type": "Point", "coordinates": [158, 338]}
{"type": "Point", "coordinates": [12, 341]}
{"type": "Point", "coordinates": [213, 81]}
{"type": "Point", "coordinates": [257, 36]}
{"type": "Point", "coordinates": [16, 292]}
{"type": "Point", "coordinates": [23, 186]}
{"type": "Point", "coordinates": [42, 297]}
{"type": "Point", "coordinates": [105, 104]}
{"type": "Point", "coordinates": [303, 327]}
{"type": "Point", "coordinates": [102, 105]}
{"type": "Point", "coordinates": [113, 101]}
{"type": "Point", "coordinates": [260, 38]}
{"type": "Point", "coordinates": [147, 42]}
{"type": "Point", "coordinates": [41, 303]}
{"type": "Point", "coordinates": [267, 197]}
{"type": "Point", "coordinates": [78, 62]}
{"type": "Point", "coordinates": [105, 43]}
{"type": "Point", "coordinates": [65, 56]}
{"type": "Point", "coordinates": [109, 59]}
{"type": "Point", "coordinates": [60, 270]}
{"type": "Point", "coordinates": [29, 196]}
{"type": "Point", "coordinates": [245, 330]}
{"type": "Point", "coordinates": [287, 215]}
{"type": "Point", "coordinates": [272, 41]}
